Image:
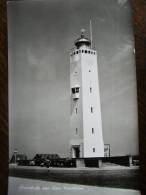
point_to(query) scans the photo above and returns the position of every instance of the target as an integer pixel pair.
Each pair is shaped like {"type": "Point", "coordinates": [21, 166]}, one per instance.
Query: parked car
{"type": "Point", "coordinates": [43, 159]}
{"type": "Point", "coordinates": [31, 163]}
{"type": "Point", "coordinates": [46, 163]}
{"type": "Point", "coordinates": [23, 162]}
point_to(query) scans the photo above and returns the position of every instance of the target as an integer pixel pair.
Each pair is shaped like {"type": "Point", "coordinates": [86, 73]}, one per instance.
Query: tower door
{"type": "Point", "coordinates": [76, 152]}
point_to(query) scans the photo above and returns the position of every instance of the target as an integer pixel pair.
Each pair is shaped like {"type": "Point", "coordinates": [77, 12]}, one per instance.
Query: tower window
{"type": "Point", "coordinates": [89, 70]}
{"type": "Point", "coordinates": [92, 130]}
{"type": "Point", "coordinates": [75, 89]}
{"type": "Point", "coordinates": [85, 51]}
{"type": "Point", "coordinates": [90, 89]}
{"type": "Point", "coordinates": [91, 109]}
{"type": "Point", "coordinates": [76, 110]}
{"type": "Point", "coordinates": [76, 52]}
{"type": "Point", "coordinates": [93, 149]}
{"type": "Point", "coordinates": [88, 51]}
{"type": "Point", "coordinates": [82, 51]}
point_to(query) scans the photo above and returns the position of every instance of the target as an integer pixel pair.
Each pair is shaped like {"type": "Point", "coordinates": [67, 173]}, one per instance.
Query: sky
{"type": "Point", "coordinates": [40, 36]}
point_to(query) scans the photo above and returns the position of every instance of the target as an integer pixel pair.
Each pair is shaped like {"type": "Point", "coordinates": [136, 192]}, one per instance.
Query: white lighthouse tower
{"type": "Point", "coordinates": [85, 116]}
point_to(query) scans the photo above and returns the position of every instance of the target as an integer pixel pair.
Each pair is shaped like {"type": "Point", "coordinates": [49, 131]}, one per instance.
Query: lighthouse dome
{"type": "Point", "coordinates": [82, 41]}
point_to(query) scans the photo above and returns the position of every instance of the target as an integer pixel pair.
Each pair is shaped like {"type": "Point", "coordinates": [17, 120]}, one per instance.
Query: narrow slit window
{"type": "Point", "coordinates": [93, 149]}
{"type": "Point", "coordinates": [76, 130]}
{"type": "Point", "coordinates": [92, 130]}
{"type": "Point", "coordinates": [91, 109]}
{"type": "Point", "coordinates": [76, 110]}
{"type": "Point", "coordinates": [90, 89]}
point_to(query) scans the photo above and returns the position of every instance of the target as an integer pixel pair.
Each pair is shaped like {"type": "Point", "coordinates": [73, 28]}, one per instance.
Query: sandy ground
{"type": "Point", "coordinates": [21, 186]}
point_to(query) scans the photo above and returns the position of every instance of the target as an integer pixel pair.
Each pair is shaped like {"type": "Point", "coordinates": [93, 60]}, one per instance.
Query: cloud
{"type": "Point", "coordinates": [122, 52]}
{"type": "Point", "coordinates": [122, 2]}
{"type": "Point", "coordinates": [100, 19]}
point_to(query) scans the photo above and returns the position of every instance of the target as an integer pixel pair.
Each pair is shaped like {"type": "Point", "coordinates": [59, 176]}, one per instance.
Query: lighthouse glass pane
{"type": "Point", "coordinates": [68, 108]}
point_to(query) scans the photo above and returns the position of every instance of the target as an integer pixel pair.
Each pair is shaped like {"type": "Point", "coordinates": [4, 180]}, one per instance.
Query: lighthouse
{"type": "Point", "coordinates": [85, 115]}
